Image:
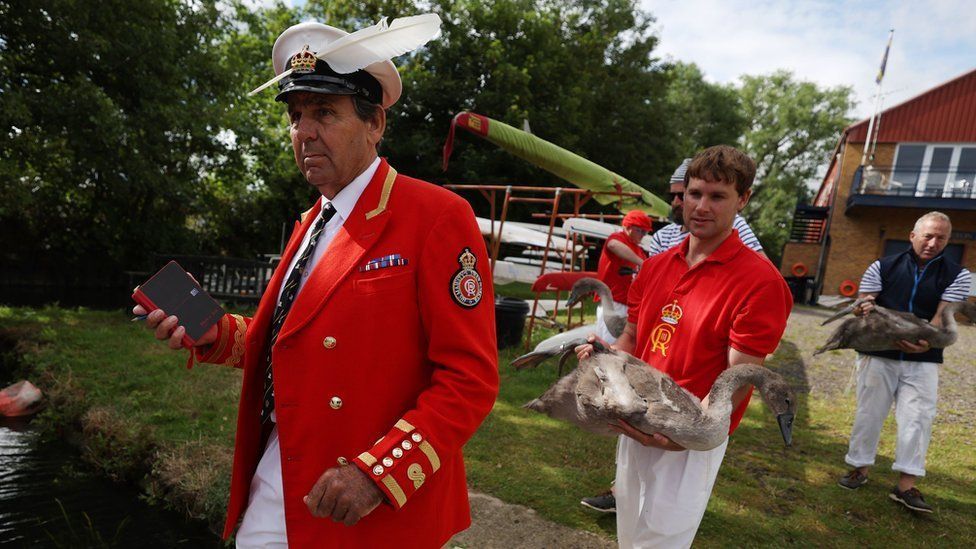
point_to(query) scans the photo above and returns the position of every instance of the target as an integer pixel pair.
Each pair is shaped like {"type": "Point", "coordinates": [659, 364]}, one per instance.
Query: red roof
{"type": "Point", "coordinates": [943, 114]}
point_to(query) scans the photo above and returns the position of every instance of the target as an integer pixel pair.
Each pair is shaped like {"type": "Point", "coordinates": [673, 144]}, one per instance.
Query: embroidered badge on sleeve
{"type": "Point", "coordinates": [466, 285]}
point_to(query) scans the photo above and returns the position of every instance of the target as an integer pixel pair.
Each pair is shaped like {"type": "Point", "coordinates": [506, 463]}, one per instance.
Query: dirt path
{"type": "Point", "coordinates": [499, 525]}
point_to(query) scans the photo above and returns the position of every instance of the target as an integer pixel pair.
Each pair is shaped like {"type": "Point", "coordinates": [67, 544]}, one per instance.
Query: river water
{"type": "Point", "coordinates": [50, 498]}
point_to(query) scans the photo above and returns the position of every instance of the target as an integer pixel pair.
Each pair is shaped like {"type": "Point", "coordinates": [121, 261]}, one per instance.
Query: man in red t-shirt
{"type": "Point", "coordinates": [620, 259]}
{"type": "Point", "coordinates": [695, 310]}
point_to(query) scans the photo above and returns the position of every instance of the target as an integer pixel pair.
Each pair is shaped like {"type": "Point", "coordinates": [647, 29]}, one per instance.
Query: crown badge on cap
{"type": "Point", "coordinates": [303, 62]}
{"type": "Point", "coordinates": [671, 313]}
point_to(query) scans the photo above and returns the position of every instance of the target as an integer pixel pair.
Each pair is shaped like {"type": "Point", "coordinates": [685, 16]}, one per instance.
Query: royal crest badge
{"type": "Point", "coordinates": [663, 332]}
{"type": "Point", "coordinates": [466, 287]}
{"type": "Point", "coordinates": [671, 313]}
{"type": "Point", "coordinates": [303, 62]}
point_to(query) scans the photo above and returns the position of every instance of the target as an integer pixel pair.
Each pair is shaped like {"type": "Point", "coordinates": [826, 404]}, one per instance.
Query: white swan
{"type": "Point", "coordinates": [559, 343]}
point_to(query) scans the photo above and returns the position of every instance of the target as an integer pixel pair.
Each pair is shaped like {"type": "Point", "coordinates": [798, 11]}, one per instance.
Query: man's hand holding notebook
{"type": "Point", "coordinates": [177, 308]}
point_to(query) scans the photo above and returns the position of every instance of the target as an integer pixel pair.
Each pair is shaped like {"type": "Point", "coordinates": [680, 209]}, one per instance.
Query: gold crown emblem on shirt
{"type": "Point", "coordinates": [468, 260]}
{"type": "Point", "coordinates": [303, 62]}
{"type": "Point", "coordinates": [671, 313]}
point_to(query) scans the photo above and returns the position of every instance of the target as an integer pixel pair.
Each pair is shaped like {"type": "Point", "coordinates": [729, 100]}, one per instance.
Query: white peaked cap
{"type": "Point", "coordinates": [317, 37]}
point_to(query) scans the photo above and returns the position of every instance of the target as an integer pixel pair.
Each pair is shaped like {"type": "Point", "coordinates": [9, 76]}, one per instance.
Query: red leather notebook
{"type": "Point", "coordinates": [176, 293]}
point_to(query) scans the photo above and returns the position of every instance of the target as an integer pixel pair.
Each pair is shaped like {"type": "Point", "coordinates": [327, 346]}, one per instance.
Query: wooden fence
{"type": "Point", "coordinates": [31, 282]}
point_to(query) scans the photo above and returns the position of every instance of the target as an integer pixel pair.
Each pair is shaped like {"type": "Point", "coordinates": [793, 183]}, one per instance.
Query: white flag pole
{"type": "Point", "coordinates": [877, 99]}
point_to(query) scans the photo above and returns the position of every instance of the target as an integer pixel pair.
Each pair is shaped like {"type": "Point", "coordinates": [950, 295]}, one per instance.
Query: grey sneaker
{"type": "Point", "coordinates": [853, 480]}
{"type": "Point", "coordinates": [910, 498]}
{"type": "Point", "coordinates": [604, 503]}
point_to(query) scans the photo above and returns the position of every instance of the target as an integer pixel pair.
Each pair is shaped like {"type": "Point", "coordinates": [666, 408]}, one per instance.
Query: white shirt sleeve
{"type": "Point", "coordinates": [656, 246]}
{"type": "Point", "coordinates": [960, 287]}
{"type": "Point", "coordinates": [871, 280]}
{"type": "Point", "coordinates": [745, 233]}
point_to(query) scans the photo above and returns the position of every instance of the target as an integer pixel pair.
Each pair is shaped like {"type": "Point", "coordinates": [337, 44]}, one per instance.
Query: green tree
{"type": "Point", "coordinates": [702, 114]}
{"type": "Point", "coordinates": [581, 73]}
{"type": "Point", "coordinates": [254, 189]}
{"type": "Point", "coordinates": [108, 118]}
{"type": "Point", "coordinates": [252, 192]}
{"type": "Point", "coordinates": [792, 127]}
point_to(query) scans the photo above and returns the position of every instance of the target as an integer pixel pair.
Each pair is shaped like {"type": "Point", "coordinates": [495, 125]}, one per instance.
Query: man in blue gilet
{"type": "Point", "coordinates": [922, 281]}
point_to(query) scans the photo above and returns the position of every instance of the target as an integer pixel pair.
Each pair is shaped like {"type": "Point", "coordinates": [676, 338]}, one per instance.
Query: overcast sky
{"type": "Point", "coordinates": [829, 42]}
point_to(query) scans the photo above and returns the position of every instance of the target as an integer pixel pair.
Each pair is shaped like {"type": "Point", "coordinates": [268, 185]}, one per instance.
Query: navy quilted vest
{"type": "Point", "coordinates": [906, 287]}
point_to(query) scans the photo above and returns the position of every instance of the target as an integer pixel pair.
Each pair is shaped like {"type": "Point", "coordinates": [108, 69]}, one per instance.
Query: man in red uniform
{"type": "Point", "coordinates": [620, 260]}
{"type": "Point", "coordinates": [695, 310]}
{"type": "Point", "coordinates": [371, 358]}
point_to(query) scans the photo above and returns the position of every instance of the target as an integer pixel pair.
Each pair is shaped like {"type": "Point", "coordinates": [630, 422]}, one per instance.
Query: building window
{"type": "Point", "coordinates": [935, 170]}
{"type": "Point", "coordinates": [966, 173]}
{"type": "Point", "coordinates": [908, 168]}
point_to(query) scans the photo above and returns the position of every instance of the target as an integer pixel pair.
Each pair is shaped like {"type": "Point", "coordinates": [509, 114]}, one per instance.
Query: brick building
{"type": "Point", "coordinates": [925, 160]}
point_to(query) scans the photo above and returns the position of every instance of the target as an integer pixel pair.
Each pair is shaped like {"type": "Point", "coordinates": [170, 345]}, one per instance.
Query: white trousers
{"type": "Point", "coordinates": [264, 519]}
{"type": "Point", "coordinates": [662, 495]}
{"type": "Point", "coordinates": [913, 387]}
{"type": "Point", "coordinates": [601, 329]}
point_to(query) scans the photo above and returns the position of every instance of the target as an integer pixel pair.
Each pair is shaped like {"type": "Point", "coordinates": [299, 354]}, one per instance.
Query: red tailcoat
{"type": "Point", "coordinates": [374, 366]}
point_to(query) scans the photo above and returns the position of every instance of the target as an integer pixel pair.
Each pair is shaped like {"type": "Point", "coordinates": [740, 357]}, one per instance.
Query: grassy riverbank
{"type": "Point", "coordinates": [146, 419]}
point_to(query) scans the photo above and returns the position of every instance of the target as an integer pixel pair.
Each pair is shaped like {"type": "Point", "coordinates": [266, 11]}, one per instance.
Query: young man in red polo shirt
{"type": "Point", "coordinates": [694, 311]}
{"type": "Point", "coordinates": [621, 253]}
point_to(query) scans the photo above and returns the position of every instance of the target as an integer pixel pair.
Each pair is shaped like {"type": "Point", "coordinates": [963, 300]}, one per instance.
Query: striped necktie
{"type": "Point", "coordinates": [288, 293]}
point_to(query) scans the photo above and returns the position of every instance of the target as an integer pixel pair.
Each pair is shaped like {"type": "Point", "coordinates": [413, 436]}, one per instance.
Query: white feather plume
{"type": "Point", "coordinates": [268, 84]}
{"type": "Point", "coordinates": [380, 42]}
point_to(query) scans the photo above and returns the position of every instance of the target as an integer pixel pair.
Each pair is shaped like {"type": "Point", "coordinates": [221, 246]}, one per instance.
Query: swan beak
{"type": "Point", "coordinates": [838, 314]}
{"type": "Point", "coordinates": [786, 427]}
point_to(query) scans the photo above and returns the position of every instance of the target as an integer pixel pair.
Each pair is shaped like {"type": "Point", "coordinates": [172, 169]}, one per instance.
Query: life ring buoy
{"type": "Point", "coordinates": [799, 270]}
{"type": "Point", "coordinates": [848, 288]}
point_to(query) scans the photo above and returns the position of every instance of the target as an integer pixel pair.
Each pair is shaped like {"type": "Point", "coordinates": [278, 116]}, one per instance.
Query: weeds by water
{"type": "Point", "coordinates": [86, 536]}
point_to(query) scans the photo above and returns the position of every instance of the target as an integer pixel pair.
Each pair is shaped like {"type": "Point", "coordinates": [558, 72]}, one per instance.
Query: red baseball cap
{"type": "Point", "coordinates": [637, 218]}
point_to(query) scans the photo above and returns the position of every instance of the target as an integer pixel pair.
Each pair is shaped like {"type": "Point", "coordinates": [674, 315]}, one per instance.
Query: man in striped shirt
{"type": "Point", "coordinates": [669, 236]}
{"type": "Point", "coordinates": [922, 281]}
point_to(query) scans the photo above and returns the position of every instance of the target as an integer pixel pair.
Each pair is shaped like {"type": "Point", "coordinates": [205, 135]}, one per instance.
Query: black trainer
{"type": "Point", "coordinates": [604, 503]}
{"type": "Point", "coordinates": [853, 480]}
{"type": "Point", "coordinates": [910, 498]}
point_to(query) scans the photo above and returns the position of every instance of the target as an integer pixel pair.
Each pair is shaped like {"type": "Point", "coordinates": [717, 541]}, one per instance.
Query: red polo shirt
{"type": "Point", "coordinates": [610, 264]}
{"type": "Point", "coordinates": [687, 318]}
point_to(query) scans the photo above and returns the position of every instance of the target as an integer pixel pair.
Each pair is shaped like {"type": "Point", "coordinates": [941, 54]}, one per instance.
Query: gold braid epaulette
{"type": "Point", "coordinates": [384, 194]}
